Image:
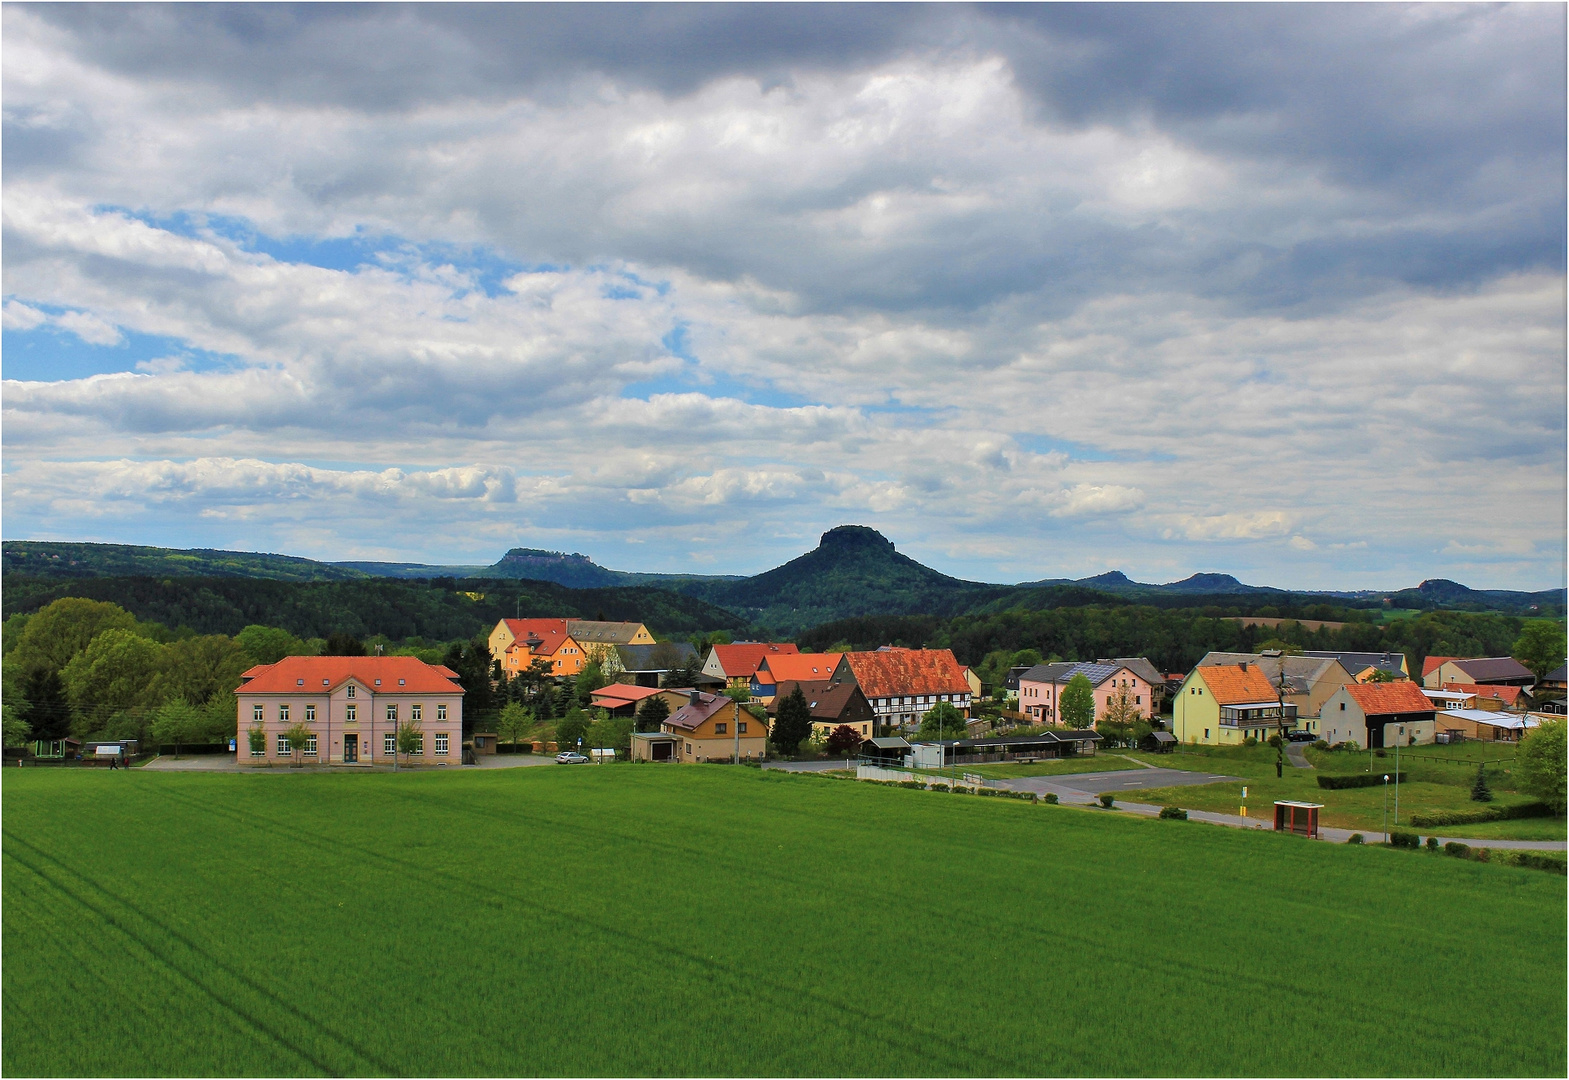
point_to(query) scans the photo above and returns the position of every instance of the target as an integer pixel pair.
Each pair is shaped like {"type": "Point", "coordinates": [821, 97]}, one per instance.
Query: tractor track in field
{"type": "Point", "coordinates": [223, 1000]}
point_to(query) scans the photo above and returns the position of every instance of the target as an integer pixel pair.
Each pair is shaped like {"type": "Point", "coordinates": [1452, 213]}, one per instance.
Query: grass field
{"type": "Point", "coordinates": [1439, 779]}
{"type": "Point", "coordinates": [708, 920]}
{"type": "Point", "coordinates": [1004, 770]}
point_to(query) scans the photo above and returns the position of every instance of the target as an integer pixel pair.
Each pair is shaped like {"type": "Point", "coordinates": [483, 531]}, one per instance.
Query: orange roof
{"type": "Point", "coordinates": [621, 693]}
{"type": "Point", "coordinates": [797, 667]}
{"type": "Point", "coordinates": [1433, 663]}
{"type": "Point", "coordinates": [552, 634]}
{"type": "Point", "coordinates": [382, 674]}
{"type": "Point", "coordinates": [1380, 699]}
{"type": "Point", "coordinates": [1507, 694]}
{"type": "Point", "coordinates": [1230, 684]}
{"type": "Point", "coordinates": [740, 661]}
{"type": "Point", "coordinates": [888, 672]}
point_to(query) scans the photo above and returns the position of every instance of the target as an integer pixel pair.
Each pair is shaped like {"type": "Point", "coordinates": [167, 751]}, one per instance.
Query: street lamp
{"type": "Point", "coordinates": [1386, 808]}
{"type": "Point", "coordinates": [1398, 741]}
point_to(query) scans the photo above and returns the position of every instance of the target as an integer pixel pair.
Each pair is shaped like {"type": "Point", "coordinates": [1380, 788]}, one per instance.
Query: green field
{"type": "Point", "coordinates": [710, 920]}
{"type": "Point", "coordinates": [1006, 770]}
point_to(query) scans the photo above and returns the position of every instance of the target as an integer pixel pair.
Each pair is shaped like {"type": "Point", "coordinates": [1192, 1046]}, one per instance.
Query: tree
{"type": "Point", "coordinates": [175, 722]}
{"type": "Point", "coordinates": [1539, 766]}
{"type": "Point", "coordinates": [571, 728]}
{"type": "Point", "coordinates": [793, 724]}
{"type": "Point", "coordinates": [257, 737]}
{"type": "Point", "coordinates": [610, 733]}
{"type": "Point", "coordinates": [686, 675]}
{"type": "Point", "coordinates": [341, 644]}
{"type": "Point", "coordinates": [514, 722]}
{"type": "Point", "coordinates": [201, 668]}
{"type": "Point", "coordinates": [116, 671]}
{"type": "Point", "coordinates": [652, 713]}
{"type": "Point", "coordinates": [1380, 675]}
{"type": "Point", "coordinates": [1120, 716]}
{"type": "Point", "coordinates": [1076, 708]}
{"type": "Point", "coordinates": [1480, 792]}
{"type": "Point", "coordinates": [298, 735]}
{"type": "Point", "coordinates": [44, 708]}
{"type": "Point", "coordinates": [739, 694]}
{"type": "Point", "coordinates": [268, 644]}
{"type": "Point", "coordinates": [843, 740]}
{"type": "Point", "coordinates": [942, 721]}
{"type": "Point", "coordinates": [591, 678]}
{"type": "Point", "coordinates": [1541, 646]}
{"type": "Point", "coordinates": [410, 739]}
{"type": "Point", "coordinates": [12, 726]}
{"type": "Point", "coordinates": [57, 632]}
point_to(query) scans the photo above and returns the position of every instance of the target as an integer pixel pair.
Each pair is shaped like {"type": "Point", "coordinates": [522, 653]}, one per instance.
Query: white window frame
{"type": "Point", "coordinates": [389, 744]}
{"type": "Point", "coordinates": [416, 712]}
{"type": "Point", "coordinates": [441, 742]}
{"type": "Point", "coordinates": [441, 712]}
{"type": "Point", "coordinates": [283, 714]}
{"type": "Point", "coordinates": [419, 744]}
{"type": "Point", "coordinates": [310, 746]}
{"type": "Point", "coordinates": [392, 713]}
{"type": "Point", "coordinates": [284, 749]}
{"type": "Point", "coordinates": [258, 713]}
{"type": "Point", "coordinates": [310, 714]}
{"type": "Point", "coordinates": [351, 714]}
{"type": "Point", "coordinates": [350, 691]}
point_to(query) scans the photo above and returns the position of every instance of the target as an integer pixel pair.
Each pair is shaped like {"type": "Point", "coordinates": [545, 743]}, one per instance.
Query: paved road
{"type": "Point", "coordinates": [1295, 755]}
{"type": "Point", "coordinates": [809, 766]}
{"type": "Point", "coordinates": [1095, 783]}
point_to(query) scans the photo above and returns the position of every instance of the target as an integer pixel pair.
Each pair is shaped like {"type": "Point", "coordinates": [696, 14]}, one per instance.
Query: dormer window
{"type": "Point", "coordinates": [378, 682]}
{"type": "Point", "coordinates": [402, 682]}
{"type": "Point", "coordinates": [299, 682]}
{"type": "Point", "coordinates": [350, 691]}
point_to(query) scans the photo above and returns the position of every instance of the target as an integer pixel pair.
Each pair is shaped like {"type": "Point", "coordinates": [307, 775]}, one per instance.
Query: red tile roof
{"type": "Point", "coordinates": [1232, 684]}
{"type": "Point", "coordinates": [1433, 663]}
{"type": "Point", "coordinates": [798, 667]}
{"type": "Point", "coordinates": [740, 661]}
{"type": "Point", "coordinates": [1507, 694]}
{"type": "Point", "coordinates": [1382, 699]}
{"type": "Point", "coordinates": [552, 633]}
{"type": "Point", "coordinates": [285, 676]}
{"type": "Point", "coordinates": [890, 672]}
{"type": "Point", "coordinates": [621, 693]}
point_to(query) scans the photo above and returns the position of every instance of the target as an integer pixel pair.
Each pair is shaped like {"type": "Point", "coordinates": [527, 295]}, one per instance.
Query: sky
{"type": "Point", "coordinates": [1276, 290]}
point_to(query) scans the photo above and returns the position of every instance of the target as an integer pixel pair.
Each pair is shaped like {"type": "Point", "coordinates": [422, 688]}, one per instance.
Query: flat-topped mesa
{"type": "Point", "coordinates": [854, 536]}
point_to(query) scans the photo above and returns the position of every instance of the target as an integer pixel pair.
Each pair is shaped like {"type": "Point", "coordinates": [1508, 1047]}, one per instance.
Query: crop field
{"type": "Point", "coordinates": [704, 920]}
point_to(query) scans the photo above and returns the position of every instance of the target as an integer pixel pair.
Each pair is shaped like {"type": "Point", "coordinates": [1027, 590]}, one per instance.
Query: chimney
{"type": "Point", "coordinates": [696, 698]}
{"type": "Point", "coordinates": [1243, 664]}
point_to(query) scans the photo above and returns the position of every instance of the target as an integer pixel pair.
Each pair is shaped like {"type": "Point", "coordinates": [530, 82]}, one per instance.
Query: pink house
{"type": "Point", "coordinates": [353, 705]}
{"type": "Point", "coordinates": [1041, 687]}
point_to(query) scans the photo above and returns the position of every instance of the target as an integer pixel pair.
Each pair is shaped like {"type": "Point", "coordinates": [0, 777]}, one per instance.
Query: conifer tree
{"type": "Point", "coordinates": [1480, 792]}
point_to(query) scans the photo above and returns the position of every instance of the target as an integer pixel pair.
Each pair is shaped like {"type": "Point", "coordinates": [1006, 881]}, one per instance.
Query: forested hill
{"type": "Point", "coordinates": [438, 609]}
{"type": "Point", "coordinates": [46, 558]}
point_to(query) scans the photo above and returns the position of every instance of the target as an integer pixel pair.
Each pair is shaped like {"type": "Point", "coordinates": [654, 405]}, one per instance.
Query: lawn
{"type": "Point", "coordinates": [711, 920]}
{"type": "Point", "coordinates": [1078, 764]}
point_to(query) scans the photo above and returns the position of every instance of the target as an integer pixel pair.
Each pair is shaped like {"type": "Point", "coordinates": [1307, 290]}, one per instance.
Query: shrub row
{"type": "Point", "coordinates": [1356, 780]}
{"type": "Point", "coordinates": [1174, 812]}
{"type": "Point", "coordinates": [1483, 813]}
{"type": "Point", "coordinates": [1399, 838]}
{"type": "Point", "coordinates": [1533, 860]}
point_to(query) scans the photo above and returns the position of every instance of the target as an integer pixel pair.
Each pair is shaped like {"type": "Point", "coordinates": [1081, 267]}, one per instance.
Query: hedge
{"type": "Point", "coordinates": [1482, 813]}
{"type": "Point", "coordinates": [1174, 813]}
{"type": "Point", "coordinates": [1400, 838]}
{"type": "Point", "coordinates": [1355, 780]}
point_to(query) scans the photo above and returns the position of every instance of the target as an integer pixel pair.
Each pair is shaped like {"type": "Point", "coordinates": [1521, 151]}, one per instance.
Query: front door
{"type": "Point", "coordinates": [351, 748]}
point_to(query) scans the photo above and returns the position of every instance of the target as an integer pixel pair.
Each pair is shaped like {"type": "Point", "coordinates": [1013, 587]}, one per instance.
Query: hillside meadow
{"type": "Point", "coordinates": [712, 920]}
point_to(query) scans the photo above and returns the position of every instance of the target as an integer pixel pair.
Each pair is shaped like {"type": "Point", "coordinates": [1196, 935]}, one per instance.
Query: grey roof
{"type": "Point", "coordinates": [1357, 661]}
{"type": "Point", "coordinates": [1301, 671]}
{"type": "Point", "coordinates": [1096, 672]}
{"type": "Point", "coordinates": [1162, 736]}
{"type": "Point", "coordinates": [1493, 668]}
{"type": "Point", "coordinates": [1558, 674]}
{"type": "Point", "coordinates": [671, 655]}
{"type": "Point", "coordinates": [891, 742]}
{"type": "Point", "coordinates": [1141, 667]}
{"type": "Point", "coordinates": [593, 632]}
{"type": "Point", "coordinates": [1011, 681]}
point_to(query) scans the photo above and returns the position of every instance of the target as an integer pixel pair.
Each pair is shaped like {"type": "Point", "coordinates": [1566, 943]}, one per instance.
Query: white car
{"type": "Point", "coordinates": [571, 757]}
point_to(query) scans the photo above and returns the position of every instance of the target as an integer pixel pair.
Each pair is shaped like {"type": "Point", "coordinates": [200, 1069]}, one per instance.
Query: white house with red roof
{"type": "Point", "coordinates": [903, 684]}
{"type": "Point", "coordinates": [737, 664]}
{"type": "Point", "coordinates": [1376, 715]}
{"type": "Point", "coordinates": [353, 705]}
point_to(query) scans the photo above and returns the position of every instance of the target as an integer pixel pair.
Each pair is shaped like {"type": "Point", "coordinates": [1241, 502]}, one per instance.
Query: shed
{"type": "Point", "coordinates": [654, 746]}
{"type": "Point", "coordinates": [1297, 817]}
{"type": "Point", "coordinates": [485, 742]}
{"type": "Point", "coordinates": [890, 750]}
{"type": "Point", "coordinates": [1159, 742]}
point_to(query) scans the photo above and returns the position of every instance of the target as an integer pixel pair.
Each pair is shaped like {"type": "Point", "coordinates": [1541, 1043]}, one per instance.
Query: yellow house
{"type": "Point", "coordinates": [712, 727]}
{"type": "Point", "coordinates": [518, 643]}
{"type": "Point", "coordinates": [1223, 704]}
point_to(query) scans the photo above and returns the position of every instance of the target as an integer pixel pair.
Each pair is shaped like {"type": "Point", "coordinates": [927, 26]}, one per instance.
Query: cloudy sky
{"type": "Point", "coordinates": [1277, 291]}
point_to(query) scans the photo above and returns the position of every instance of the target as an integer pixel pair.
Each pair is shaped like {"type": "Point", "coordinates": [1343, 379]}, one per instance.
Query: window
{"type": "Point", "coordinates": [416, 712]}
{"type": "Point", "coordinates": [1342, 706]}
{"type": "Point", "coordinates": [419, 742]}
{"type": "Point", "coordinates": [441, 712]}
{"type": "Point", "coordinates": [392, 714]}
{"type": "Point", "coordinates": [350, 692]}
{"type": "Point", "coordinates": [351, 713]}
{"type": "Point", "coordinates": [1137, 700]}
{"type": "Point", "coordinates": [259, 749]}
{"type": "Point", "coordinates": [389, 744]}
{"type": "Point", "coordinates": [721, 729]}
{"type": "Point", "coordinates": [864, 729]}
{"type": "Point", "coordinates": [689, 748]}
{"type": "Point", "coordinates": [310, 746]}
{"type": "Point", "coordinates": [256, 714]}
{"type": "Point", "coordinates": [441, 742]}
{"type": "Point", "coordinates": [283, 714]}
{"type": "Point", "coordinates": [310, 713]}
{"type": "Point", "coordinates": [284, 750]}
{"type": "Point", "coordinates": [1206, 733]}
{"type": "Point", "coordinates": [740, 729]}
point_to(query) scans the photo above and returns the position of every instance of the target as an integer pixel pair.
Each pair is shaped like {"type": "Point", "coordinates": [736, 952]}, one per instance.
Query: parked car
{"type": "Point", "coordinates": [571, 757]}
{"type": "Point", "coordinates": [1300, 736]}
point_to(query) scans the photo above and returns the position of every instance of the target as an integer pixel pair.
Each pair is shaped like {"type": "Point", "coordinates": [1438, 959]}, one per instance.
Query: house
{"type": "Point", "coordinates": [1492, 698]}
{"type": "Point", "coordinates": [975, 683]}
{"type": "Point", "coordinates": [1040, 688]}
{"type": "Point", "coordinates": [622, 699]}
{"type": "Point", "coordinates": [1010, 685]}
{"type": "Point", "coordinates": [1309, 680]}
{"type": "Point", "coordinates": [712, 727]}
{"type": "Point", "coordinates": [1450, 699]}
{"type": "Point", "coordinates": [354, 705]}
{"type": "Point", "coordinates": [518, 643]}
{"type": "Point", "coordinates": [737, 664]}
{"type": "Point", "coordinates": [1554, 707]}
{"type": "Point", "coordinates": [902, 684]}
{"type": "Point", "coordinates": [1364, 666]}
{"type": "Point", "coordinates": [887, 750]}
{"type": "Point", "coordinates": [777, 668]}
{"type": "Point", "coordinates": [646, 665]}
{"type": "Point", "coordinates": [1484, 724]}
{"type": "Point", "coordinates": [1555, 683]}
{"type": "Point", "coordinates": [1376, 715]}
{"type": "Point", "coordinates": [1482, 670]}
{"type": "Point", "coordinates": [832, 704]}
{"type": "Point", "coordinates": [592, 634]}
{"type": "Point", "coordinates": [1223, 704]}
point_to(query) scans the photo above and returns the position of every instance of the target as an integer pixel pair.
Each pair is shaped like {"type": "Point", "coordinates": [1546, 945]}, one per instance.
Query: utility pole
{"type": "Point", "coordinates": [1280, 702]}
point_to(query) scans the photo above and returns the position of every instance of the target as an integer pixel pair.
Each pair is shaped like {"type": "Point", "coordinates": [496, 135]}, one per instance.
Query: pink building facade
{"type": "Point", "coordinates": [1040, 689]}
{"type": "Point", "coordinates": [353, 705]}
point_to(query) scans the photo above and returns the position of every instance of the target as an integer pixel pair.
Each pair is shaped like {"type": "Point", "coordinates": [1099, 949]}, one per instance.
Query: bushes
{"type": "Point", "coordinates": [1481, 814]}
{"type": "Point", "coordinates": [1356, 838]}
{"type": "Point", "coordinates": [1320, 744]}
{"type": "Point", "coordinates": [1107, 799]}
{"type": "Point", "coordinates": [1533, 860]}
{"type": "Point", "coordinates": [1432, 843]}
{"type": "Point", "coordinates": [1175, 813]}
{"type": "Point", "coordinates": [1401, 838]}
{"type": "Point", "coordinates": [1051, 798]}
{"type": "Point", "coordinates": [1356, 780]}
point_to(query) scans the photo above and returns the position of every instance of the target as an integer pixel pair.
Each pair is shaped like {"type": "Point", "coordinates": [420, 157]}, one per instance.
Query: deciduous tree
{"type": "Point", "coordinates": [514, 722]}
{"type": "Point", "coordinates": [1120, 716]}
{"type": "Point", "coordinates": [942, 721]}
{"type": "Point", "coordinates": [1541, 646]}
{"type": "Point", "coordinates": [572, 727]}
{"type": "Point", "coordinates": [843, 739]}
{"type": "Point", "coordinates": [1076, 708]}
{"type": "Point", "coordinates": [1539, 766]}
{"type": "Point", "coordinates": [177, 722]}
{"type": "Point", "coordinates": [268, 644]}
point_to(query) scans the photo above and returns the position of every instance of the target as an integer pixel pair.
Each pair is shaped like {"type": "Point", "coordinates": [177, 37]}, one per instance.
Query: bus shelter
{"type": "Point", "coordinates": [1298, 817]}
